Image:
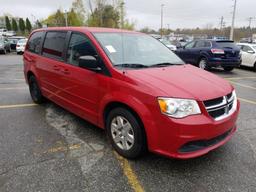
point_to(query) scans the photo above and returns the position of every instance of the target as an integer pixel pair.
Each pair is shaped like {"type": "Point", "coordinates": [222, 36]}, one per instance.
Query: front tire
{"type": "Point", "coordinates": [254, 67]}
{"type": "Point", "coordinates": [35, 91]}
{"type": "Point", "coordinates": [126, 134]}
{"type": "Point", "coordinates": [228, 69]}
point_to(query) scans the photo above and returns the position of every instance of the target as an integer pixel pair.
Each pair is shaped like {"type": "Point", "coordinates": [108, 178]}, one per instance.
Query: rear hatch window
{"type": "Point", "coordinates": [227, 44]}
{"type": "Point", "coordinates": [230, 48]}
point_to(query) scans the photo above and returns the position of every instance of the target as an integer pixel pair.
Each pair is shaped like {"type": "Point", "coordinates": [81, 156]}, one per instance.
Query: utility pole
{"type": "Point", "coordinates": [66, 18]}
{"type": "Point", "coordinates": [233, 21]}
{"type": "Point", "coordinates": [122, 14]}
{"type": "Point", "coordinates": [221, 23]}
{"type": "Point", "coordinates": [250, 19]}
{"type": "Point", "coordinates": [162, 18]}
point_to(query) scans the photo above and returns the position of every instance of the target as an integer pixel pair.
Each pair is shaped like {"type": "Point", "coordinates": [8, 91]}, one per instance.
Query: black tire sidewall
{"type": "Point", "coordinates": [139, 146]}
{"type": "Point", "coordinates": [229, 69]}
{"type": "Point", "coordinates": [36, 98]}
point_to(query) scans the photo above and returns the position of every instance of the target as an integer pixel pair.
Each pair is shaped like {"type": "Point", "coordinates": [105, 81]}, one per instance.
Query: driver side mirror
{"type": "Point", "coordinates": [89, 62]}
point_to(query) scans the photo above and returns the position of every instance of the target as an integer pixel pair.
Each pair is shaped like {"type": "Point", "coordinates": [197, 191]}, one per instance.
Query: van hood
{"type": "Point", "coordinates": [184, 81]}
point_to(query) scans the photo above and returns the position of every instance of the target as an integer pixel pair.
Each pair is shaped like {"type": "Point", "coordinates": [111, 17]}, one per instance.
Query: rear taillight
{"type": "Point", "coordinates": [217, 51]}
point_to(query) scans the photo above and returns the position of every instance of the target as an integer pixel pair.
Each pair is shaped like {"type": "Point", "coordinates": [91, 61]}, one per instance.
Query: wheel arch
{"type": "Point", "coordinates": [117, 104]}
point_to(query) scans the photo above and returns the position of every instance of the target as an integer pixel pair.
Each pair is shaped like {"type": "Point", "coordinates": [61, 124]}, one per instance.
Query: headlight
{"type": "Point", "coordinates": [178, 108]}
{"type": "Point", "coordinates": [1, 45]}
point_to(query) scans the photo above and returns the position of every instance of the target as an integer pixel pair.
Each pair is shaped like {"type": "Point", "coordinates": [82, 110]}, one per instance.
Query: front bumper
{"type": "Point", "coordinates": [204, 133]}
{"type": "Point", "coordinates": [219, 62]}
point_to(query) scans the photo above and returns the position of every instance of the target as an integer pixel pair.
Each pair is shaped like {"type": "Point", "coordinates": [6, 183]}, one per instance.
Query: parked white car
{"type": "Point", "coordinates": [20, 47]}
{"type": "Point", "coordinates": [3, 32]}
{"type": "Point", "coordinates": [248, 52]}
{"type": "Point", "coordinates": [10, 33]}
{"type": "Point", "coordinates": [168, 44]}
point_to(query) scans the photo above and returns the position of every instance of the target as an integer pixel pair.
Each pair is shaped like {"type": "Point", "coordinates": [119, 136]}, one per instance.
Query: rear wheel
{"type": "Point", "coordinates": [228, 68]}
{"type": "Point", "coordinates": [203, 64]}
{"type": "Point", "coordinates": [4, 51]}
{"type": "Point", "coordinates": [35, 91]}
{"type": "Point", "coordinates": [126, 134]}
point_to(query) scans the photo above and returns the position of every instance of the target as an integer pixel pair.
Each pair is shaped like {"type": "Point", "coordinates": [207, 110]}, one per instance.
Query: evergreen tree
{"type": "Point", "coordinates": [7, 23]}
{"type": "Point", "coordinates": [28, 25]}
{"type": "Point", "coordinates": [22, 26]}
{"type": "Point", "coordinates": [14, 25]}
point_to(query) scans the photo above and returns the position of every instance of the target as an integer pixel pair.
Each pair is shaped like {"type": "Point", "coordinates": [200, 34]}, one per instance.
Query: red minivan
{"type": "Point", "coordinates": [133, 86]}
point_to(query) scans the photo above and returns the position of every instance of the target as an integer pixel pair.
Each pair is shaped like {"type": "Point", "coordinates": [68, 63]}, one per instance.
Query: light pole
{"type": "Point", "coordinates": [162, 19]}
{"type": "Point", "coordinates": [233, 22]}
{"type": "Point", "coordinates": [66, 18]}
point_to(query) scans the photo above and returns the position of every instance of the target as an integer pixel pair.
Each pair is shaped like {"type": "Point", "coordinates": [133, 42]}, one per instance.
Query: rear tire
{"type": "Point", "coordinates": [126, 134]}
{"type": "Point", "coordinates": [4, 51]}
{"type": "Point", "coordinates": [203, 64]}
{"type": "Point", "coordinates": [228, 69]}
{"type": "Point", "coordinates": [35, 91]}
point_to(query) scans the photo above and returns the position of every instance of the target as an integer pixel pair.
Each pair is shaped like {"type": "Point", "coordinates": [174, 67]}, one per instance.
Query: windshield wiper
{"type": "Point", "coordinates": [131, 65]}
{"type": "Point", "coordinates": [163, 64]}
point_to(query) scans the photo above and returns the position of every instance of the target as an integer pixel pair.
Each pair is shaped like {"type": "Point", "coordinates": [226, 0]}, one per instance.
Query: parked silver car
{"type": "Point", "coordinates": [5, 45]}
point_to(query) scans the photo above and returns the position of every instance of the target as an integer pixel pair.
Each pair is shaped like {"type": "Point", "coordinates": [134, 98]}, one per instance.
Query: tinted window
{"type": "Point", "coordinates": [35, 42]}
{"type": "Point", "coordinates": [79, 45]}
{"type": "Point", "coordinates": [190, 45]}
{"type": "Point", "coordinates": [226, 44]}
{"type": "Point", "coordinates": [207, 44]}
{"type": "Point", "coordinates": [54, 44]}
{"type": "Point", "coordinates": [200, 44]}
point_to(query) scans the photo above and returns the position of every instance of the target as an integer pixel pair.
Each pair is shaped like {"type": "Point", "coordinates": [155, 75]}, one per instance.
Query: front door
{"type": "Point", "coordinates": [81, 87]}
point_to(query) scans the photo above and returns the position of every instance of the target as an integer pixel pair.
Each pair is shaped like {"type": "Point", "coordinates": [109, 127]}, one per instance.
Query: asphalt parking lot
{"type": "Point", "coordinates": [45, 148]}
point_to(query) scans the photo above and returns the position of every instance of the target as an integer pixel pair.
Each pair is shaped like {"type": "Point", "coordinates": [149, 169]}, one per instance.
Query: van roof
{"type": "Point", "coordinates": [87, 29]}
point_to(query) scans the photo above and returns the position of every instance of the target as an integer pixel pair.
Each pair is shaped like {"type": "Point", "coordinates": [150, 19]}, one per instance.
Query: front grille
{"type": "Point", "coordinates": [221, 107]}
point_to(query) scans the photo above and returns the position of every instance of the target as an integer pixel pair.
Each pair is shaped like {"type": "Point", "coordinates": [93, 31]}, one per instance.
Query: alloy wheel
{"type": "Point", "coordinates": [122, 133]}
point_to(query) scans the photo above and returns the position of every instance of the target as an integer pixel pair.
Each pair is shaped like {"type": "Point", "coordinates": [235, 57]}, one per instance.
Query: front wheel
{"type": "Point", "coordinates": [254, 67]}
{"type": "Point", "coordinates": [35, 91]}
{"type": "Point", "coordinates": [126, 134]}
{"type": "Point", "coordinates": [228, 68]}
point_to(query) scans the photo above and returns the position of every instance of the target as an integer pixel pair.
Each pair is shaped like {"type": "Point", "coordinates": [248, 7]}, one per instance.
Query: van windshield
{"type": "Point", "coordinates": [128, 49]}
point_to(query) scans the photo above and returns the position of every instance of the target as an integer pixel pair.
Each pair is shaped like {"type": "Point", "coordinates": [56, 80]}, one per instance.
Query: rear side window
{"type": "Point", "coordinates": [54, 45]}
{"type": "Point", "coordinates": [35, 42]}
{"type": "Point", "coordinates": [200, 44]}
{"type": "Point", "coordinates": [190, 45]}
{"type": "Point", "coordinates": [226, 44]}
{"type": "Point", "coordinates": [207, 44]}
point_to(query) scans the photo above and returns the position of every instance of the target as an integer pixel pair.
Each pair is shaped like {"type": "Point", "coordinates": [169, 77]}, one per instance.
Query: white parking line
{"type": "Point", "coordinates": [17, 106]}
{"type": "Point", "coordinates": [12, 88]}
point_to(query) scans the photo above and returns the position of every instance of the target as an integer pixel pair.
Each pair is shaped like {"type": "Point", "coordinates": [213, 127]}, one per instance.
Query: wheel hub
{"type": "Point", "coordinates": [122, 133]}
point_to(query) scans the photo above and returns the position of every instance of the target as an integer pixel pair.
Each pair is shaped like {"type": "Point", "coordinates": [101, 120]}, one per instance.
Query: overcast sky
{"type": "Point", "coordinates": [177, 13]}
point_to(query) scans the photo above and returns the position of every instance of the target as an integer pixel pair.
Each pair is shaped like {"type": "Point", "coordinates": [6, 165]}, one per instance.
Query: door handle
{"type": "Point", "coordinates": [56, 68]}
{"type": "Point", "coordinates": [66, 71]}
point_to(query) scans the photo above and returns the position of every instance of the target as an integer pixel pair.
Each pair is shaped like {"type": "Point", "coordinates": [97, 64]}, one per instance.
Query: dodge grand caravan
{"type": "Point", "coordinates": [134, 87]}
